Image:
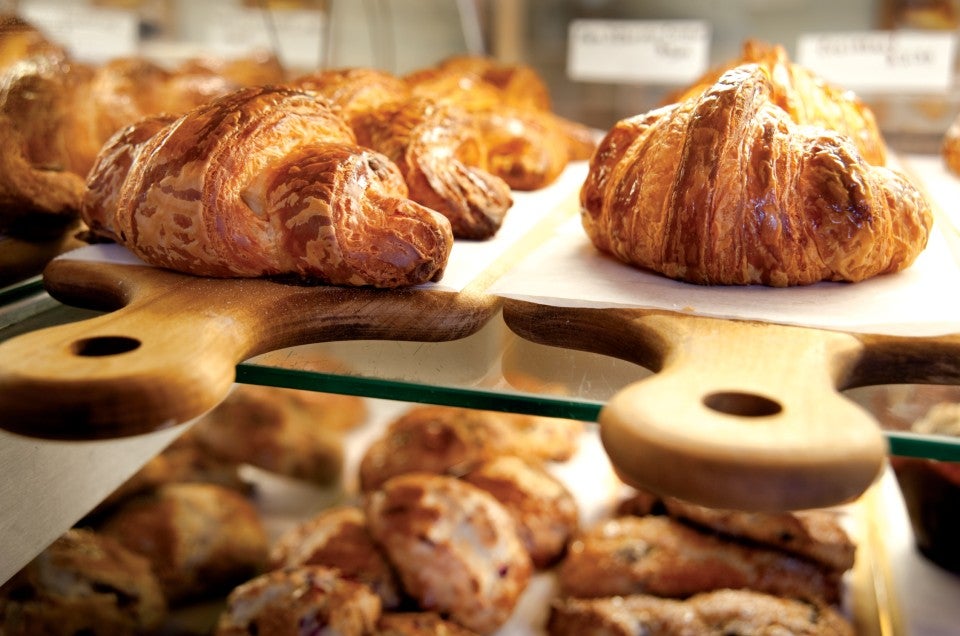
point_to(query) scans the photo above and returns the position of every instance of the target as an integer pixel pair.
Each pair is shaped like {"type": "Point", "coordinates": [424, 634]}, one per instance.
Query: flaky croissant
{"type": "Point", "coordinates": [806, 97]}
{"type": "Point", "coordinates": [263, 182]}
{"type": "Point", "coordinates": [355, 91]}
{"type": "Point", "coordinates": [950, 147]}
{"type": "Point", "coordinates": [725, 189]}
{"type": "Point", "coordinates": [442, 157]}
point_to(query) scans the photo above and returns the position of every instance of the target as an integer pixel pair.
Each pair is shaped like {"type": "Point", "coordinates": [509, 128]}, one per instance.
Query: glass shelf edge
{"type": "Point", "coordinates": [901, 444]}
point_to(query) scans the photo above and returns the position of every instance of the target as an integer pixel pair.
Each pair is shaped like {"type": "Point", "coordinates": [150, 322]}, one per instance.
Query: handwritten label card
{"type": "Point", "coordinates": [882, 61]}
{"type": "Point", "coordinates": [638, 51]}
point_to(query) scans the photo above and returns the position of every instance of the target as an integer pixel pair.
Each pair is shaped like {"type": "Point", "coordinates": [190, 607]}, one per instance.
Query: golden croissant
{"type": "Point", "coordinates": [442, 156]}
{"type": "Point", "coordinates": [265, 181]}
{"type": "Point", "coordinates": [725, 188]}
{"type": "Point", "coordinates": [805, 97]}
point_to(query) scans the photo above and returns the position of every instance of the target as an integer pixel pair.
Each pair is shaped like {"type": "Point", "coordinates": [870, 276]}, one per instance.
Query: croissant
{"type": "Point", "coordinates": [806, 97]}
{"type": "Point", "coordinates": [442, 156]}
{"type": "Point", "coordinates": [725, 189]}
{"type": "Point", "coordinates": [528, 146]}
{"type": "Point", "coordinates": [355, 91]}
{"type": "Point", "coordinates": [56, 114]}
{"type": "Point", "coordinates": [21, 40]}
{"type": "Point", "coordinates": [265, 181]}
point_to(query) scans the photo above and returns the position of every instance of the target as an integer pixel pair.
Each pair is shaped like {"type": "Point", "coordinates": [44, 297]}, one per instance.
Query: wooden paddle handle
{"type": "Point", "coordinates": [746, 416]}
{"type": "Point", "coordinates": [122, 373]}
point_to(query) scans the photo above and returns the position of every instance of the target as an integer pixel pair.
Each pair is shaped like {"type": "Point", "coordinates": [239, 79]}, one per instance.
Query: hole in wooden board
{"type": "Point", "coordinates": [743, 404]}
{"type": "Point", "coordinates": [104, 346]}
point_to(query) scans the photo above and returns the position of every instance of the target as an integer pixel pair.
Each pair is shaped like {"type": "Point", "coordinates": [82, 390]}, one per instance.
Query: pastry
{"type": "Point", "coordinates": [664, 557]}
{"type": "Point", "coordinates": [807, 98]}
{"type": "Point", "coordinates": [201, 539]}
{"type": "Point", "coordinates": [306, 600]}
{"type": "Point", "coordinates": [950, 149]}
{"type": "Point", "coordinates": [454, 546]}
{"type": "Point", "coordinates": [527, 145]}
{"type": "Point", "coordinates": [448, 440]}
{"type": "Point", "coordinates": [543, 508]}
{"type": "Point", "coordinates": [718, 613]}
{"type": "Point", "coordinates": [725, 189]}
{"type": "Point", "coordinates": [83, 583]}
{"type": "Point", "coordinates": [816, 535]}
{"type": "Point", "coordinates": [338, 538]}
{"type": "Point", "coordinates": [355, 91]}
{"type": "Point", "coordinates": [278, 430]}
{"type": "Point", "coordinates": [266, 182]}
{"type": "Point", "coordinates": [442, 157]}
{"type": "Point", "coordinates": [419, 624]}
{"type": "Point", "coordinates": [20, 40]}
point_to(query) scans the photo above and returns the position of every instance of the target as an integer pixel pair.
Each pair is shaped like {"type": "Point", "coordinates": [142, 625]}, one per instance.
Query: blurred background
{"type": "Point", "coordinates": [554, 36]}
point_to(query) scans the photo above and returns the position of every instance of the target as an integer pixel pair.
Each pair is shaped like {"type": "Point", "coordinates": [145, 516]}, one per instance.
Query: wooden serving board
{"type": "Point", "coordinates": [741, 414]}
{"type": "Point", "coordinates": [166, 352]}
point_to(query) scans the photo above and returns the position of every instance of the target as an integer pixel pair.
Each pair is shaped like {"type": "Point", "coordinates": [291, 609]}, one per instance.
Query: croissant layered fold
{"type": "Point", "coordinates": [263, 182]}
{"type": "Point", "coordinates": [725, 188]}
{"type": "Point", "coordinates": [805, 96]}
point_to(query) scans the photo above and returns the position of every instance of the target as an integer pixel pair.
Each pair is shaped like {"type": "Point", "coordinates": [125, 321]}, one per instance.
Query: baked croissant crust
{"type": "Point", "coordinates": [806, 97]}
{"type": "Point", "coordinates": [726, 189]}
{"type": "Point", "coordinates": [264, 181]}
{"type": "Point", "coordinates": [442, 157]}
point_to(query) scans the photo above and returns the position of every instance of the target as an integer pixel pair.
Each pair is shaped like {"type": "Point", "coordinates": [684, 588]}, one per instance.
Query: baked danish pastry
{"type": "Point", "coordinates": [724, 188]}
{"type": "Point", "coordinates": [265, 181]}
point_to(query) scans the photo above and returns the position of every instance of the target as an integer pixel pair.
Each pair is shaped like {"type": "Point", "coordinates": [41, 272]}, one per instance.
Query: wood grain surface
{"type": "Point", "coordinates": [741, 414]}
{"type": "Point", "coordinates": [166, 352]}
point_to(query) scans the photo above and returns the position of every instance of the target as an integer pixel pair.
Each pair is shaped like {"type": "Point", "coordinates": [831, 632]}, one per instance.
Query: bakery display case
{"type": "Point", "coordinates": [754, 398]}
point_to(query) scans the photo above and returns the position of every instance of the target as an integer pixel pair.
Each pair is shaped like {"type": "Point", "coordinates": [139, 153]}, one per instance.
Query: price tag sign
{"type": "Point", "coordinates": [91, 34]}
{"type": "Point", "coordinates": [882, 61]}
{"type": "Point", "coordinates": [638, 51]}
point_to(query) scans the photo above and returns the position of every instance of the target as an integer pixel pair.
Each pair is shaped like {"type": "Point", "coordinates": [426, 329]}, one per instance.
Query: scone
{"type": "Point", "coordinates": [719, 613]}
{"type": "Point", "coordinates": [83, 583]}
{"type": "Point", "coordinates": [543, 508]}
{"type": "Point", "coordinates": [664, 557]}
{"type": "Point", "coordinates": [338, 538]}
{"type": "Point", "coordinates": [305, 600]}
{"type": "Point", "coordinates": [419, 624]}
{"type": "Point", "coordinates": [448, 440]}
{"type": "Point", "coordinates": [455, 547]}
{"type": "Point", "coordinates": [201, 539]}
{"type": "Point", "coordinates": [280, 431]}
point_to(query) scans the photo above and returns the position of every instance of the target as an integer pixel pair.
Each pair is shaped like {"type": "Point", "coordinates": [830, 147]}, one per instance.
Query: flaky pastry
{"type": "Point", "coordinates": [724, 188]}
{"type": "Point", "coordinates": [265, 181]}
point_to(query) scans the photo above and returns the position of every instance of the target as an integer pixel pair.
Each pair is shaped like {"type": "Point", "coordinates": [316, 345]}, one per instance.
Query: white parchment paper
{"type": "Point", "coordinates": [567, 271]}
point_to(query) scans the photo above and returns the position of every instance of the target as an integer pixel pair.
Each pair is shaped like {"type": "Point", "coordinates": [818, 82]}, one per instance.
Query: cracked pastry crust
{"type": "Point", "coordinates": [304, 600]}
{"type": "Point", "coordinates": [455, 547]}
{"type": "Point", "coordinates": [441, 154]}
{"type": "Point", "coordinates": [544, 510]}
{"type": "Point", "coordinates": [725, 189]}
{"type": "Point", "coordinates": [266, 181]}
{"type": "Point", "coordinates": [664, 557]}
{"type": "Point", "coordinates": [83, 583]}
{"type": "Point", "coordinates": [449, 440]}
{"type": "Point", "coordinates": [339, 538]}
{"type": "Point", "coordinates": [717, 613]}
{"type": "Point", "coordinates": [201, 539]}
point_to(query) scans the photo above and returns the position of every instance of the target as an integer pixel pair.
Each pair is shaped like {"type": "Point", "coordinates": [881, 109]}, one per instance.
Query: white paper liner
{"type": "Point", "coordinates": [567, 271]}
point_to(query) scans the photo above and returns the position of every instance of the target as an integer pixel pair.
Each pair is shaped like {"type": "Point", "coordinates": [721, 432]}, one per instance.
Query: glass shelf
{"type": "Point", "coordinates": [492, 369]}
